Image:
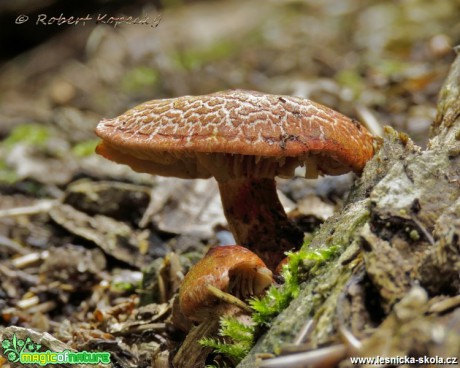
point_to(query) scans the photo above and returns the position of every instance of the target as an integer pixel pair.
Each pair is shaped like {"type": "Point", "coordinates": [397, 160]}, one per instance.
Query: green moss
{"type": "Point", "coordinates": [139, 78]}
{"type": "Point", "coordinates": [236, 339]}
{"type": "Point", "coordinates": [278, 298]}
{"type": "Point", "coordinates": [86, 148]}
{"type": "Point", "coordinates": [33, 134]}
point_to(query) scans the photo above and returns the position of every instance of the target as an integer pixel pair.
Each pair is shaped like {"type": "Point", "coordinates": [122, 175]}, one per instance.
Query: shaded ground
{"type": "Point", "coordinates": [76, 231]}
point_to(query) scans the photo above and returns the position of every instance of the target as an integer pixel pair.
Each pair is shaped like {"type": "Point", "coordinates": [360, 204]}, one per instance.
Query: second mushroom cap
{"type": "Point", "coordinates": [231, 269]}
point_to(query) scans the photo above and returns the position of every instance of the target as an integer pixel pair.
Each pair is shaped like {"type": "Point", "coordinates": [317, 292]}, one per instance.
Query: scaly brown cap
{"type": "Point", "coordinates": [247, 132]}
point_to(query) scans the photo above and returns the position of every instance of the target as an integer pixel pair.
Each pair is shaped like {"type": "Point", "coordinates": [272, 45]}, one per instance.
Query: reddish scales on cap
{"type": "Point", "coordinates": [236, 122]}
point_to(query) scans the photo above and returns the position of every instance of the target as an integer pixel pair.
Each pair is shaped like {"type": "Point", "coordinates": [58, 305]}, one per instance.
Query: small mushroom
{"type": "Point", "coordinates": [220, 280]}
{"type": "Point", "coordinates": [212, 289]}
{"type": "Point", "coordinates": [243, 139]}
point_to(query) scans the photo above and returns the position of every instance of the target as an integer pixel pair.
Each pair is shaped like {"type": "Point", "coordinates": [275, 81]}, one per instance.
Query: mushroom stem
{"type": "Point", "coordinates": [257, 218]}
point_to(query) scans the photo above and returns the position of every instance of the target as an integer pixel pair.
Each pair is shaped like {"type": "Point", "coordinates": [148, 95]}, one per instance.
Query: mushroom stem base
{"type": "Point", "coordinates": [258, 220]}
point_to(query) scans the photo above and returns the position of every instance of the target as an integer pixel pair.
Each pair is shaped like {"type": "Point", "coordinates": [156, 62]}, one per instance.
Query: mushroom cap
{"type": "Point", "coordinates": [190, 136]}
{"type": "Point", "coordinates": [230, 268]}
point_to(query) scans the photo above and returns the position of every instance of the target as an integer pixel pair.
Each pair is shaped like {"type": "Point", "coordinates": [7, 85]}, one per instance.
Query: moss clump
{"type": "Point", "coordinates": [278, 298]}
{"type": "Point", "coordinates": [236, 339]}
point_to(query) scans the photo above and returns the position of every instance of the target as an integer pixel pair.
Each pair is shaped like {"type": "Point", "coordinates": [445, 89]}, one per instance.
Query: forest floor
{"type": "Point", "coordinates": [93, 253]}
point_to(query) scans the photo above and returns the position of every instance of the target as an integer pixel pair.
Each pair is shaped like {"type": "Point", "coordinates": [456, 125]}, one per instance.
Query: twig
{"type": "Point", "coordinates": [153, 327]}
{"type": "Point", "coordinates": [369, 120]}
{"type": "Point", "coordinates": [12, 245]}
{"type": "Point", "coordinates": [28, 303]}
{"type": "Point", "coordinates": [39, 207]}
{"type": "Point", "coordinates": [304, 332]}
{"type": "Point", "coordinates": [323, 357]}
{"type": "Point", "coordinates": [423, 230]}
{"type": "Point", "coordinates": [30, 259]}
{"type": "Point", "coordinates": [18, 274]}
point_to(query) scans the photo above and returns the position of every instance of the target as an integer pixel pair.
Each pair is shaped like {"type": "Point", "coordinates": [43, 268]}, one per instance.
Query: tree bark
{"type": "Point", "coordinates": [397, 279]}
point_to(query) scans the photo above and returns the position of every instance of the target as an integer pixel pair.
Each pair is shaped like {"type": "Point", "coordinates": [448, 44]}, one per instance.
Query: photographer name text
{"type": "Point", "coordinates": [46, 20]}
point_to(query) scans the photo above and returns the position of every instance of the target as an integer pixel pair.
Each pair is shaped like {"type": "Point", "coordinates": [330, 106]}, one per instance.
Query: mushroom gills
{"type": "Point", "coordinates": [246, 281]}
{"type": "Point", "coordinates": [226, 167]}
{"type": "Point", "coordinates": [163, 164]}
{"type": "Point", "coordinates": [317, 163]}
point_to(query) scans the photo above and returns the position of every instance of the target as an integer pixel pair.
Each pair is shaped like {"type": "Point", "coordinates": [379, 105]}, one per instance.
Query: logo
{"type": "Point", "coordinates": [27, 352]}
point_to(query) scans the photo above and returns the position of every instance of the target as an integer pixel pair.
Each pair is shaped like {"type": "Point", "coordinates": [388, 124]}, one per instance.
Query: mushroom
{"type": "Point", "coordinates": [212, 289]}
{"type": "Point", "coordinates": [220, 280]}
{"type": "Point", "coordinates": [243, 139]}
